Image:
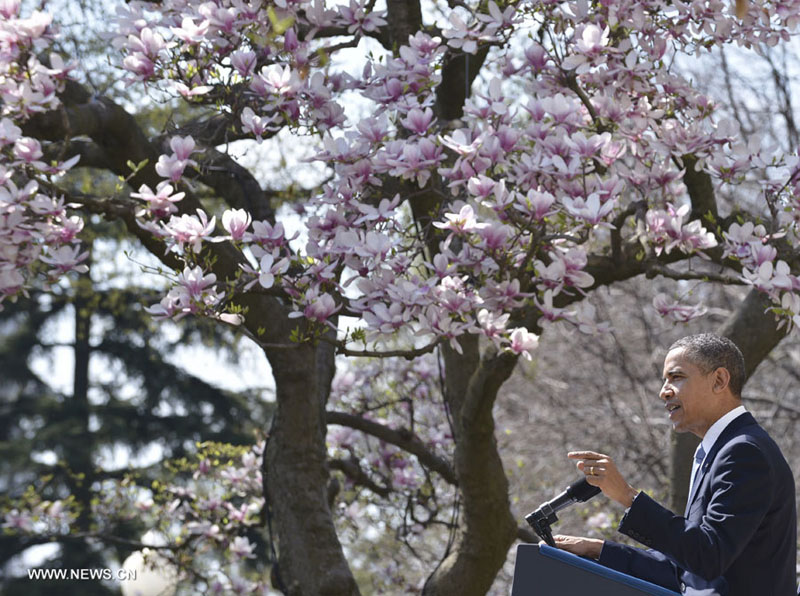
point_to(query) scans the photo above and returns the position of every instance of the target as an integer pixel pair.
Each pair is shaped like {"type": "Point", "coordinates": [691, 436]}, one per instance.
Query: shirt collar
{"type": "Point", "coordinates": [720, 425]}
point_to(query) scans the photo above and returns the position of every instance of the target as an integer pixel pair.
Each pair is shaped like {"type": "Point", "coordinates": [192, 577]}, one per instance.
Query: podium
{"type": "Point", "coordinates": [547, 571]}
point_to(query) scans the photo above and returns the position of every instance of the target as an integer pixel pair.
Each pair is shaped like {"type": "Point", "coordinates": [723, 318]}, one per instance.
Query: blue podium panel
{"type": "Point", "coordinates": [547, 571]}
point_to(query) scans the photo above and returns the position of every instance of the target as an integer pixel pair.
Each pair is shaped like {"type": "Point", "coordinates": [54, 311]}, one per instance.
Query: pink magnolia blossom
{"type": "Point", "coordinates": [258, 125]}
{"type": "Point", "coordinates": [244, 61]}
{"type": "Point", "coordinates": [319, 307]}
{"type": "Point", "coordinates": [373, 245]}
{"type": "Point", "coordinates": [190, 230]}
{"type": "Point", "coordinates": [183, 147]}
{"type": "Point", "coordinates": [277, 80]}
{"type": "Point", "coordinates": [139, 64]}
{"type": "Point", "coordinates": [460, 35]}
{"type": "Point", "coordinates": [148, 43]}
{"type": "Point", "coordinates": [481, 186]}
{"type": "Point", "coordinates": [535, 204]}
{"type": "Point", "coordinates": [18, 520]}
{"type": "Point", "coordinates": [536, 56]}
{"type": "Point", "coordinates": [242, 548]}
{"type": "Point", "coordinates": [414, 160]}
{"type": "Point", "coordinates": [66, 258]}
{"type": "Point", "coordinates": [11, 195]}
{"type": "Point", "coordinates": [667, 231]}
{"type": "Point", "coordinates": [462, 222]}
{"type": "Point", "coordinates": [591, 210]}
{"type": "Point", "coordinates": [384, 212]}
{"type": "Point", "coordinates": [672, 309]}
{"type": "Point", "coordinates": [42, 204]}
{"type": "Point", "coordinates": [267, 235]}
{"type": "Point", "coordinates": [549, 312]}
{"type": "Point", "coordinates": [523, 342]}
{"type": "Point", "coordinates": [236, 222]}
{"type": "Point", "coordinates": [9, 132]}
{"type": "Point", "coordinates": [10, 8]}
{"type": "Point", "coordinates": [159, 203]}
{"type": "Point", "coordinates": [387, 319]}
{"type": "Point", "coordinates": [460, 143]}
{"type": "Point", "coordinates": [436, 322]}
{"type": "Point", "coordinates": [220, 18]}
{"type": "Point", "coordinates": [495, 237]}
{"type": "Point", "coordinates": [493, 325]}
{"type": "Point", "coordinates": [65, 229]}
{"type": "Point", "coordinates": [28, 150]}
{"type": "Point", "coordinates": [770, 278]}
{"type": "Point", "coordinates": [194, 293]}
{"type": "Point", "coordinates": [359, 20]}
{"type": "Point", "coordinates": [189, 32]}
{"type": "Point", "coordinates": [170, 167]}
{"type": "Point", "coordinates": [11, 281]}
{"type": "Point", "coordinates": [269, 268]}
{"type": "Point", "coordinates": [189, 92]}
{"type": "Point", "coordinates": [584, 317]}
{"type": "Point", "coordinates": [418, 121]}
{"type": "Point", "coordinates": [197, 284]}
{"type": "Point", "coordinates": [564, 270]}
{"type": "Point", "coordinates": [592, 39]}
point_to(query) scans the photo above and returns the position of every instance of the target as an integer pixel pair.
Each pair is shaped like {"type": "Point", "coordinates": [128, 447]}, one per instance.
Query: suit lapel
{"type": "Point", "coordinates": [733, 429]}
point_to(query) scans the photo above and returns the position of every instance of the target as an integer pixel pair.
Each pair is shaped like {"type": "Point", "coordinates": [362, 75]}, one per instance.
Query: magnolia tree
{"type": "Point", "coordinates": [504, 160]}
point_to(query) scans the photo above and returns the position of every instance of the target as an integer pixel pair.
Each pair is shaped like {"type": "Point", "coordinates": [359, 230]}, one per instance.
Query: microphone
{"type": "Point", "coordinates": [540, 520]}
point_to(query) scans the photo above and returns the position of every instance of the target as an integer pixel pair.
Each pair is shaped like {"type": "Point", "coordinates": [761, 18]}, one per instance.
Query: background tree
{"type": "Point", "coordinates": [129, 409]}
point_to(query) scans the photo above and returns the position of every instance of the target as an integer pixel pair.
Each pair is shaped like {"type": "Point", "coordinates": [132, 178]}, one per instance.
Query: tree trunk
{"type": "Point", "coordinates": [310, 561]}
{"type": "Point", "coordinates": [489, 529]}
{"type": "Point", "coordinates": [756, 333]}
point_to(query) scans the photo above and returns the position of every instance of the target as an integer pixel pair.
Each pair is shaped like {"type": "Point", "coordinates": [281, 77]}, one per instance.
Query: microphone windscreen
{"type": "Point", "coordinates": [581, 490]}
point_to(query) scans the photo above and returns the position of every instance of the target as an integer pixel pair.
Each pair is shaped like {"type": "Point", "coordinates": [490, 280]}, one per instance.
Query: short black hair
{"type": "Point", "coordinates": [709, 352]}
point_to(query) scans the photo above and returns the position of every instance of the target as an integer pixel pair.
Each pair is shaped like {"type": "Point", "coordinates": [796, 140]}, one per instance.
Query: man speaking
{"type": "Point", "coordinates": [738, 535]}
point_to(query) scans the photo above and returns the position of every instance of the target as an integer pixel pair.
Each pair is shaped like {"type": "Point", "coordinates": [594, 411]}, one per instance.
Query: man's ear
{"type": "Point", "coordinates": [721, 379]}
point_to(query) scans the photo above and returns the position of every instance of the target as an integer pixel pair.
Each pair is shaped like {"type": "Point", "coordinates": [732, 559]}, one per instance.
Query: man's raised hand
{"type": "Point", "coordinates": [602, 472]}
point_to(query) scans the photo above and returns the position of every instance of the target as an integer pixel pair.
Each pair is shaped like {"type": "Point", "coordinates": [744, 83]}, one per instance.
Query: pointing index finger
{"type": "Point", "coordinates": [585, 455]}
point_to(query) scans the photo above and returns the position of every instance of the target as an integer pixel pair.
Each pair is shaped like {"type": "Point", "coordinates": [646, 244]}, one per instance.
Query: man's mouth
{"type": "Point", "coordinates": [671, 408]}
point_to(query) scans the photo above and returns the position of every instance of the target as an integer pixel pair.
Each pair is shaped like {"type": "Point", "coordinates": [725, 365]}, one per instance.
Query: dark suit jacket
{"type": "Point", "coordinates": [738, 535]}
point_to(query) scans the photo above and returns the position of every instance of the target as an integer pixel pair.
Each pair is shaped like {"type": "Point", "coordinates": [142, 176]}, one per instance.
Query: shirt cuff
{"type": "Point", "coordinates": [638, 494]}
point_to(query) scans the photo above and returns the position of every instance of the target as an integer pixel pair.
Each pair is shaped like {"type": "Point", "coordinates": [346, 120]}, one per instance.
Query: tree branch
{"type": "Point", "coordinates": [124, 209]}
{"type": "Point", "coordinates": [701, 190]}
{"type": "Point", "coordinates": [653, 268]}
{"type": "Point", "coordinates": [351, 469]}
{"type": "Point", "coordinates": [409, 354]}
{"type": "Point", "coordinates": [403, 438]}
{"type": "Point", "coordinates": [237, 185]}
{"type": "Point", "coordinates": [458, 72]}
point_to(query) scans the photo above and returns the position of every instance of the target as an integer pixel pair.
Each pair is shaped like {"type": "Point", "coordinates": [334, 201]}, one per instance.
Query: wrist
{"type": "Point", "coordinates": [595, 549]}
{"type": "Point", "coordinates": [629, 497]}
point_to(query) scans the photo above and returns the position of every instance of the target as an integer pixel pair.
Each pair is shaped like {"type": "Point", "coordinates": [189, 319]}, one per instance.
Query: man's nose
{"type": "Point", "coordinates": [666, 392]}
